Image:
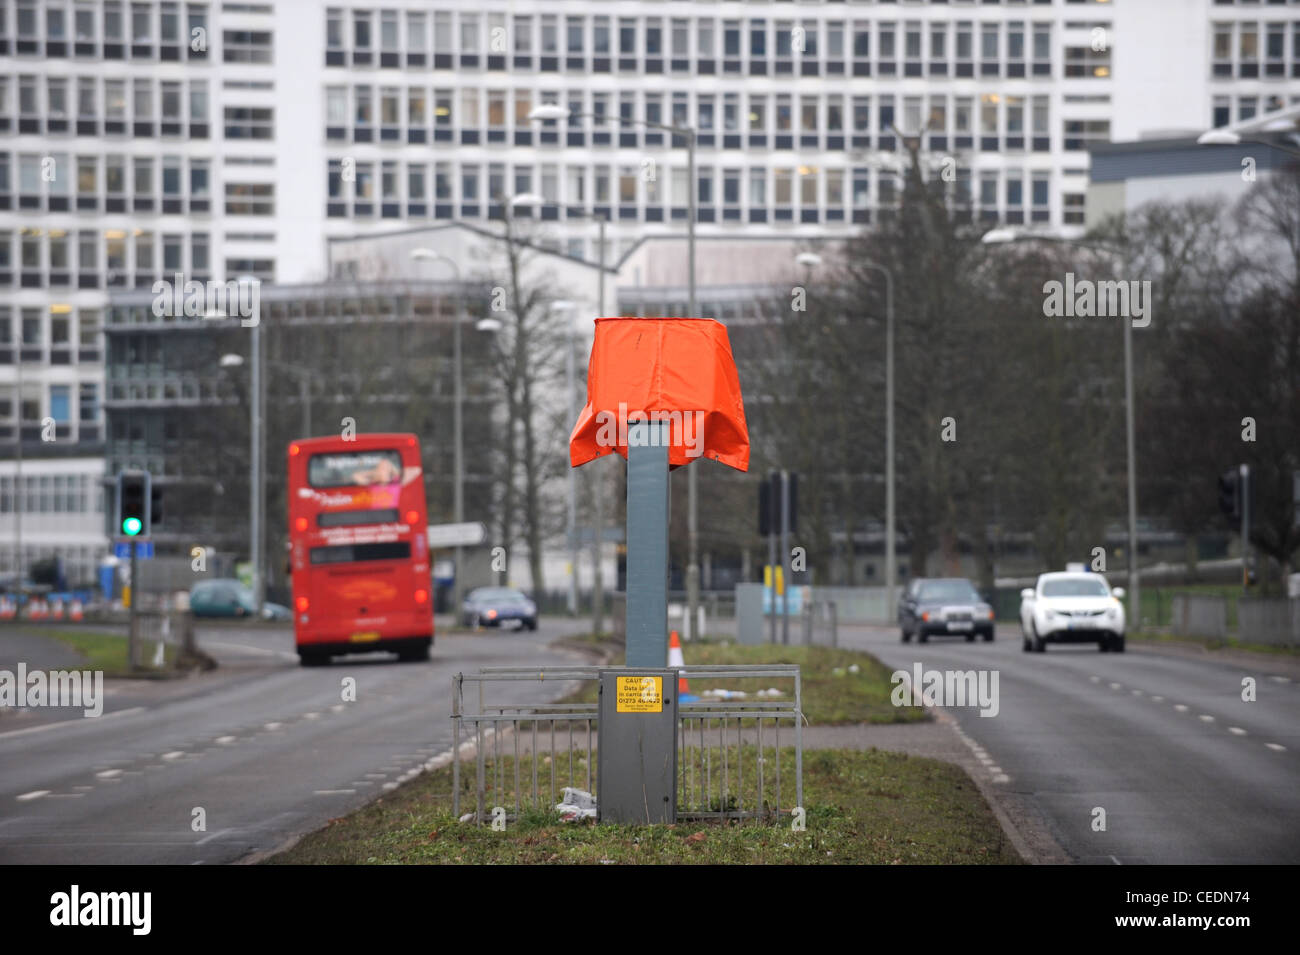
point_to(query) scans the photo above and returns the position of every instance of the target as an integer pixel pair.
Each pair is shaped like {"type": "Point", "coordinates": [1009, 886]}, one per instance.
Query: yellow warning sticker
{"type": "Point", "coordinates": [639, 694]}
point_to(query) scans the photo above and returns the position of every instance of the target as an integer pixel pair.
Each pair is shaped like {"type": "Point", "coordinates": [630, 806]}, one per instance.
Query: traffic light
{"type": "Point", "coordinates": [133, 503]}
{"type": "Point", "coordinates": [155, 505]}
{"type": "Point", "coordinates": [1230, 494]}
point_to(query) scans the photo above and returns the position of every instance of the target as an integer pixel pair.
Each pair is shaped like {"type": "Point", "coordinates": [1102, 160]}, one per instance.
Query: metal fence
{"type": "Point", "coordinates": [155, 630]}
{"type": "Point", "coordinates": [1274, 621]}
{"type": "Point", "coordinates": [730, 759]}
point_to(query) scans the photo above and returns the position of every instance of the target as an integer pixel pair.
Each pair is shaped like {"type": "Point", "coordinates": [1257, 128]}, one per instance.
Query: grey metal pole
{"type": "Point", "coordinates": [571, 517]}
{"type": "Point", "coordinates": [18, 472]}
{"type": "Point", "coordinates": [692, 491]}
{"type": "Point", "coordinates": [1244, 485]}
{"type": "Point", "coordinates": [891, 563]}
{"type": "Point", "coordinates": [1135, 594]}
{"type": "Point", "coordinates": [133, 624]}
{"type": "Point", "coordinates": [785, 557]}
{"type": "Point", "coordinates": [458, 429]}
{"type": "Point", "coordinates": [771, 563]}
{"type": "Point", "coordinates": [647, 545]}
{"type": "Point", "coordinates": [258, 398]}
{"type": "Point", "coordinates": [597, 476]}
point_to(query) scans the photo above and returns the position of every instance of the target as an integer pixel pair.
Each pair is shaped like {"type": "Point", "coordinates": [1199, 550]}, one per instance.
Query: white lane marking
{"type": "Point", "coordinates": [333, 792]}
{"type": "Point", "coordinates": [1116, 861]}
{"type": "Point", "coordinates": [1276, 747]}
{"type": "Point", "coordinates": [1280, 679]}
{"type": "Point", "coordinates": [84, 788]}
{"type": "Point", "coordinates": [1003, 778]}
{"type": "Point", "coordinates": [272, 726]}
{"type": "Point", "coordinates": [1117, 686]}
{"type": "Point", "coordinates": [388, 786]}
{"type": "Point", "coordinates": [1236, 731]}
{"type": "Point", "coordinates": [66, 795]}
{"type": "Point", "coordinates": [109, 773]}
{"type": "Point", "coordinates": [338, 708]}
{"type": "Point", "coordinates": [1157, 699]}
{"type": "Point", "coordinates": [257, 651]}
{"type": "Point", "coordinates": [34, 794]}
{"type": "Point", "coordinates": [1137, 692]}
{"type": "Point", "coordinates": [1206, 718]}
{"type": "Point", "coordinates": [1094, 679]}
{"type": "Point", "coordinates": [174, 754]}
{"type": "Point", "coordinates": [81, 721]}
{"type": "Point", "coordinates": [311, 716]}
{"type": "Point", "coordinates": [213, 835]}
{"type": "Point", "coordinates": [986, 760]}
{"type": "Point", "coordinates": [1180, 707]}
{"type": "Point", "coordinates": [376, 775]}
{"type": "Point", "coordinates": [363, 782]}
{"type": "Point", "coordinates": [225, 740]}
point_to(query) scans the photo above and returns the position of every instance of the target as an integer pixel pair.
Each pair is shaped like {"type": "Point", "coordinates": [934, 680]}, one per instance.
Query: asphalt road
{"type": "Point", "coordinates": [267, 749]}
{"type": "Point", "coordinates": [1186, 771]}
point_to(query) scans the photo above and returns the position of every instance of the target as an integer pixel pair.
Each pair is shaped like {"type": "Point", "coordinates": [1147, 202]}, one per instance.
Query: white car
{"type": "Point", "coordinates": [1072, 607]}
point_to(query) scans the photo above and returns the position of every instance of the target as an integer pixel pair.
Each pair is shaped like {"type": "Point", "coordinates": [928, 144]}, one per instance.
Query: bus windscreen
{"type": "Point", "coordinates": [354, 553]}
{"type": "Point", "coordinates": [382, 515]}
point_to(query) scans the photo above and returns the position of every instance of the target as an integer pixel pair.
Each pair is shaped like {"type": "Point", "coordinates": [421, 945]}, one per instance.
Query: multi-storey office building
{"type": "Point", "coordinates": [142, 139]}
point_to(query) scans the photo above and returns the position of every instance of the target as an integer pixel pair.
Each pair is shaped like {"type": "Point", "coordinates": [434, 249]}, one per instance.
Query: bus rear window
{"type": "Point", "coordinates": [352, 553]}
{"type": "Point", "coordinates": [382, 515]}
{"type": "Point", "coordinates": [354, 468]}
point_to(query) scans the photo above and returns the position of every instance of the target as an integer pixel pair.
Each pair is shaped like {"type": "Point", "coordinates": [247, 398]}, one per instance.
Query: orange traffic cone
{"type": "Point", "coordinates": [675, 659]}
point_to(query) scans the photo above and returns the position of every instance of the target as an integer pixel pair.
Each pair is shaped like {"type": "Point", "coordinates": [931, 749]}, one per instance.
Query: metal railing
{"type": "Point", "coordinates": [729, 750]}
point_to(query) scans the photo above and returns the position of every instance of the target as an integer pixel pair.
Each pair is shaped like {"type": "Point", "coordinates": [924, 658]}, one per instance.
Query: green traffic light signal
{"type": "Point", "coordinates": [131, 526]}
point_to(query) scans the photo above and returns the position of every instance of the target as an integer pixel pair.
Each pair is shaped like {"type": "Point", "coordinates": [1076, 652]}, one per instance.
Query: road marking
{"type": "Point", "coordinates": [1236, 731]}
{"type": "Point", "coordinates": [109, 773]}
{"type": "Point", "coordinates": [1004, 778]}
{"type": "Point", "coordinates": [82, 721]}
{"type": "Point", "coordinates": [272, 726]}
{"type": "Point", "coordinates": [376, 775]}
{"type": "Point", "coordinates": [1280, 679]}
{"type": "Point", "coordinates": [225, 740]}
{"type": "Point", "coordinates": [333, 792]}
{"type": "Point", "coordinates": [1137, 692]}
{"type": "Point", "coordinates": [1206, 719]}
{"type": "Point", "coordinates": [257, 651]}
{"type": "Point", "coordinates": [1094, 679]}
{"type": "Point", "coordinates": [388, 786]}
{"type": "Point", "coordinates": [1276, 747]}
{"type": "Point", "coordinates": [215, 835]}
{"type": "Point", "coordinates": [1180, 707]}
{"type": "Point", "coordinates": [339, 707]}
{"type": "Point", "coordinates": [1157, 699]}
{"type": "Point", "coordinates": [84, 788]}
{"type": "Point", "coordinates": [34, 794]}
{"type": "Point", "coordinates": [311, 716]}
{"type": "Point", "coordinates": [1117, 686]}
{"type": "Point", "coordinates": [363, 782]}
{"type": "Point", "coordinates": [66, 795]}
{"type": "Point", "coordinates": [1116, 861]}
{"type": "Point", "coordinates": [174, 754]}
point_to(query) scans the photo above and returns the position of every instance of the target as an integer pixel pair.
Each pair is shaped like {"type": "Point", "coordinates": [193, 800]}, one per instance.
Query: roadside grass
{"type": "Point", "coordinates": [832, 694]}
{"type": "Point", "coordinates": [863, 807]}
{"type": "Point", "coordinates": [1210, 643]}
{"type": "Point", "coordinates": [107, 652]}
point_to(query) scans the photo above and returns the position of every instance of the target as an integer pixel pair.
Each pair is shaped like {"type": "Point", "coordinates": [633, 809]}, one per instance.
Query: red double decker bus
{"type": "Point", "coordinates": [358, 547]}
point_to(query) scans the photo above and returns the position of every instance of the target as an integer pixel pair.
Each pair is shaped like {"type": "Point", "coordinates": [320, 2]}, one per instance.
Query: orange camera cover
{"type": "Point", "coordinates": [676, 369]}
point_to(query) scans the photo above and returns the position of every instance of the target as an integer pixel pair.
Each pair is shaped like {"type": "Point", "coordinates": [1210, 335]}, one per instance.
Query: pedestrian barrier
{"type": "Point", "coordinates": [730, 756]}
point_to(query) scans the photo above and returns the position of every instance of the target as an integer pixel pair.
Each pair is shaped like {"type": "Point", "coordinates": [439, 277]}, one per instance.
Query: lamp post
{"type": "Point", "coordinates": [458, 427]}
{"type": "Point", "coordinates": [1003, 236]}
{"type": "Point", "coordinates": [553, 111]}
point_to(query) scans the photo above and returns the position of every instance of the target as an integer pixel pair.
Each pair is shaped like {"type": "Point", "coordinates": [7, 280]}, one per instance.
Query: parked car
{"type": "Point", "coordinates": [229, 598]}
{"type": "Point", "coordinates": [1072, 607]}
{"type": "Point", "coordinates": [495, 606]}
{"type": "Point", "coordinates": [944, 606]}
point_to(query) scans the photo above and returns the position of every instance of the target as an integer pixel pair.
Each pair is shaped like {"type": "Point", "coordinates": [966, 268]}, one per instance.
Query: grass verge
{"type": "Point", "coordinates": [867, 807]}
{"type": "Point", "coordinates": [833, 694]}
{"type": "Point", "coordinates": [107, 652]}
{"type": "Point", "coordinates": [1209, 643]}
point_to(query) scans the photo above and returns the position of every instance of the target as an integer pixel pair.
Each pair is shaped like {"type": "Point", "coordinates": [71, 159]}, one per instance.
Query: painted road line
{"type": "Point", "coordinates": [80, 721]}
{"type": "Point", "coordinates": [34, 794]}
{"type": "Point", "coordinates": [1236, 731]}
{"type": "Point", "coordinates": [1276, 747]}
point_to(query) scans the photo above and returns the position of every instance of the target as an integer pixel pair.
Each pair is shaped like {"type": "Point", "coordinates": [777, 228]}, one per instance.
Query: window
{"type": "Point", "coordinates": [250, 199]}
{"type": "Point", "coordinates": [249, 46]}
{"type": "Point", "coordinates": [244, 122]}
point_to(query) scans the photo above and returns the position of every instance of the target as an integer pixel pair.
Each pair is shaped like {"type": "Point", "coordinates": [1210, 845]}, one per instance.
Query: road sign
{"type": "Point", "coordinates": [456, 535]}
{"type": "Point", "coordinates": [143, 549]}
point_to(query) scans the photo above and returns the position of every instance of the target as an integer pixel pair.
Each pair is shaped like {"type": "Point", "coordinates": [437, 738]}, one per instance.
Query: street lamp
{"type": "Point", "coordinates": [1003, 236]}
{"type": "Point", "coordinates": [553, 111]}
{"type": "Point", "coordinates": [458, 432]}
{"type": "Point", "coordinates": [1251, 130]}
